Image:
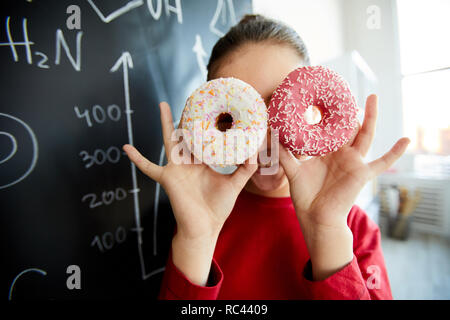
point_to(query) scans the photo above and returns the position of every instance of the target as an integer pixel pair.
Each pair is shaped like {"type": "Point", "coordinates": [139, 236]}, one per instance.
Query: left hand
{"type": "Point", "coordinates": [323, 189]}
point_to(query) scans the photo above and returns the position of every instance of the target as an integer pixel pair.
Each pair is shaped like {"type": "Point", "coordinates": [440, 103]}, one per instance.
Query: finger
{"type": "Point", "coordinates": [354, 134]}
{"type": "Point", "coordinates": [288, 162]}
{"type": "Point", "coordinates": [244, 172]}
{"type": "Point", "coordinates": [147, 167]}
{"type": "Point", "coordinates": [381, 164]}
{"type": "Point", "coordinates": [180, 154]}
{"type": "Point", "coordinates": [365, 136]}
{"type": "Point", "coordinates": [180, 123]}
{"type": "Point", "coordinates": [167, 127]}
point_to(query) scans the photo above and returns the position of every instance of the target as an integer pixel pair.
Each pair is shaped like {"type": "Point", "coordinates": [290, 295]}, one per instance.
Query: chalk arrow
{"type": "Point", "coordinates": [200, 53]}
{"type": "Point", "coordinates": [219, 8]}
{"type": "Point", "coordinates": [124, 59]}
{"type": "Point", "coordinates": [126, 62]}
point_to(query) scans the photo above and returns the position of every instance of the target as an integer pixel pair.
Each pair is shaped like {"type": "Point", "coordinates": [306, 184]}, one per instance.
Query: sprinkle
{"type": "Point", "coordinates": [317, 86]}
{"type": "Point", "coordinates": [234, 97]}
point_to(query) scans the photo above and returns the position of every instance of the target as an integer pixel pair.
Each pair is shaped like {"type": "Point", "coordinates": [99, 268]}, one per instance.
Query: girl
{"type": "Point", "coordinates": [292, 235]}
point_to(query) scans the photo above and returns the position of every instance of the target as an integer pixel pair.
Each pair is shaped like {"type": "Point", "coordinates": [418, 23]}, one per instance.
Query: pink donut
{"type": "Point", "coordinates": [292, 101]}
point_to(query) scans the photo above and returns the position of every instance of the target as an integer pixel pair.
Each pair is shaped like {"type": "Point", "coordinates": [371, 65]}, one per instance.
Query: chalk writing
{"type": "Point", "coordinates": [106, 198]}
{"type": "Point", "coordinates": [99, 115]}
{"type": "Point", "coordinates": [99, 157]}
{"type": "Point", "coordinates": [42, 272]}
{"type": "Point", "coordinates": [34, 157]}
{"type": "Point", "coordinates": [60, 43]}
{"type": "Point", "coordinates": [108, 239]}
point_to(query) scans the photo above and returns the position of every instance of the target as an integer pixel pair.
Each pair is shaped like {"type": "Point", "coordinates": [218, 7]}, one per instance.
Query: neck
{"type": "Point", "coordinates": [281, 192]}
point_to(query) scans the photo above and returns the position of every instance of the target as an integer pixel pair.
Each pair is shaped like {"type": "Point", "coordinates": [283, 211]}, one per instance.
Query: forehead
{"type": "Point", "coordinates": [262, 65]}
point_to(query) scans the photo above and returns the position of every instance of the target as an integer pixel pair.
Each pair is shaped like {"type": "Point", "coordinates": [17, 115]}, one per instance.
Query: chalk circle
{"type": "Point", "coordinates": [14, 146]}
{"type": "Point", "coordinates": [14, 150]}
{"type": "Point", "coordinates": [11, 288]}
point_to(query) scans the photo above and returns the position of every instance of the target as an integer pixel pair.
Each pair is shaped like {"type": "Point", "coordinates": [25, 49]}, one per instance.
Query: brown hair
{"type": "Point", "coordinates": [255, 28]}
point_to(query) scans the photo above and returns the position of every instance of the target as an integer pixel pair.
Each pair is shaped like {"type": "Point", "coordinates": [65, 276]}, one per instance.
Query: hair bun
{"type": "Point", "coordinates": [249, 17]}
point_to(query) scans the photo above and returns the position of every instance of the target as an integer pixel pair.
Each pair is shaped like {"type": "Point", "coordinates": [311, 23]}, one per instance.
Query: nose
{"type": "Point", "coordinates": [264, 151]}
{"type": "Point", "coordinates": [266, 143]}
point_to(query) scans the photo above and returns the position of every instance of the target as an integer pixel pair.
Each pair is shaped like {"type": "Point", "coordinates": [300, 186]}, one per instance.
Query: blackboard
{"type": "Point", "coordinates": [69, 99]}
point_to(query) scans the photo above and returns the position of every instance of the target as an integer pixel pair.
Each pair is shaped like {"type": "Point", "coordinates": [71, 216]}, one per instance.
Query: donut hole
{"type": "Point", "coordinates": [313, 115]}
{"type": "Point", "coordinates": [224, 121]}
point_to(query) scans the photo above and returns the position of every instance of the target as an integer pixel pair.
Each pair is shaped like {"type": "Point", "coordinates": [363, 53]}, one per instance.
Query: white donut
{"type": "Point", "coordinates": [224, 122]}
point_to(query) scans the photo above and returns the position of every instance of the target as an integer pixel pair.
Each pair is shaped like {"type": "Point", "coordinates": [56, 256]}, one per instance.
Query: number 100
{"type": "Point", "coordinates": [108, 239]}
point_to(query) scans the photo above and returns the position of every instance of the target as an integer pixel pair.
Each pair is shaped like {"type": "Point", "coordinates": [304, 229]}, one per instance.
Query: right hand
{"type": "Point", "coordinates": [201, 198]}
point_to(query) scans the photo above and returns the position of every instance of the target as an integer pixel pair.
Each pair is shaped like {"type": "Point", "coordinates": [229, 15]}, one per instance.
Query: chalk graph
{"type": "Point", "coordinates": [123, 64]}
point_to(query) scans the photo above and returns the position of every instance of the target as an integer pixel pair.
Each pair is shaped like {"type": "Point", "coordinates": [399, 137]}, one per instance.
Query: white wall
{"type": "Point", "coordinates": [380, 49]}
{"type": "Point", "coordinates": [319, 23]}
{"type": "Point", "coordinates": [332, 27]}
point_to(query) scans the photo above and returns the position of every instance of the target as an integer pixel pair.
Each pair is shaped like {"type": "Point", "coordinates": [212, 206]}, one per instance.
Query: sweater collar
{"type": "Point", "coordinates": [265, 201]}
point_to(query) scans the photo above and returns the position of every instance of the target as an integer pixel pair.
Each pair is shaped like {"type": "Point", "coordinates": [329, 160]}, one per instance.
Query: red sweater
{"type": "Point", "coordinates": [261, 254]}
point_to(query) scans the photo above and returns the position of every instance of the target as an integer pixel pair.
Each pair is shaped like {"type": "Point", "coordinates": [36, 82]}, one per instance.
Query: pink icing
{"type": "Point", "coordinates": [313, 86]}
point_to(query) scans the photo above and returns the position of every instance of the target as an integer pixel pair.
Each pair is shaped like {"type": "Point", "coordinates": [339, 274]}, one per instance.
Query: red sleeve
{"type": "Point", "coordinates": [367, 248]}
{"type": "Point", "coordinates": [176, 286]}
{"type": "Point", "coordinates": [365, 277]}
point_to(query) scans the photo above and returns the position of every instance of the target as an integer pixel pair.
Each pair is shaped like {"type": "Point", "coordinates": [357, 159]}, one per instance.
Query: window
{"type": "Point", "coordinates": [424, 34]}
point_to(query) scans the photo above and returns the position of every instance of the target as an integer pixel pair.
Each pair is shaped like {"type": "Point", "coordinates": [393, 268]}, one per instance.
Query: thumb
{"type": "Point", "coordinates": [147, 167]}
{"type": "Point", "coordinates": [354, 134]}
{"type": "Point", "coordinates": [244, 172]}
{"type": "Point", "coordinates": [288, 162]}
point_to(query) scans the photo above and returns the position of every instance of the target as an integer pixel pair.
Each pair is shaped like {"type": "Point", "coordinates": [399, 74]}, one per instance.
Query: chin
{"type": "Point", "coordinates": [268, 183]}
